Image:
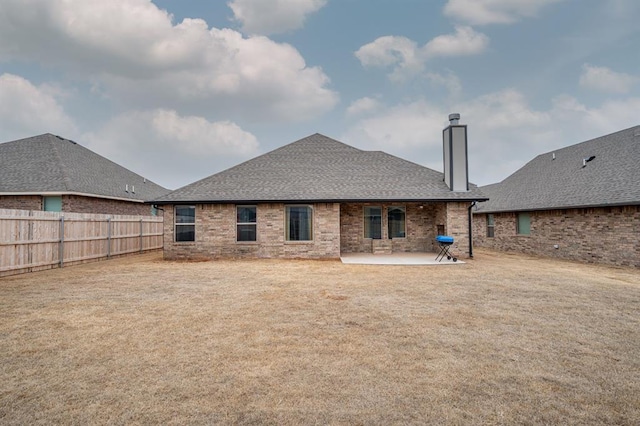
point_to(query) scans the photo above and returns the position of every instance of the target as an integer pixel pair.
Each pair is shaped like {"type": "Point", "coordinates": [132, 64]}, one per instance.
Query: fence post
{"type": "Point", "coordinates": [61, 249]}
{"type": "Point", "coordinates": [30, 246]}
{"type": "Point", "coordinates": [109, 237]}
{"type": "Point", "coordinates": [141, 241]}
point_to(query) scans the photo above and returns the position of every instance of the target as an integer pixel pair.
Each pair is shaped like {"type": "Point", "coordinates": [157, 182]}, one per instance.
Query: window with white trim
{"type": "Point", "coordinates": [185, 223]}
{"type": "Point", "coordinates": [246, 223]}
{"type": "Point", "coordinates": [523, 224]}
{"type": "Point", "coordinates": [299, 223]}
{"type": "Point", "coordinates": [491, 225]}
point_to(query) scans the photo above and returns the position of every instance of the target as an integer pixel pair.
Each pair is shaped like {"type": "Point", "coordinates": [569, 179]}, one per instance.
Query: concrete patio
{"type": "Point", "coordinates": [396, 259]}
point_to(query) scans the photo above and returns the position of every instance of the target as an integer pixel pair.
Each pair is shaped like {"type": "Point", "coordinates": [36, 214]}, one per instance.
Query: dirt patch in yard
{"type": "Point", "coordinates": [502, 339]}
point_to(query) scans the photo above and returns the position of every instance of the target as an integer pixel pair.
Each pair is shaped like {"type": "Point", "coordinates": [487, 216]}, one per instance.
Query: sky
{"type": "Point", "coordinates": [177, 90]}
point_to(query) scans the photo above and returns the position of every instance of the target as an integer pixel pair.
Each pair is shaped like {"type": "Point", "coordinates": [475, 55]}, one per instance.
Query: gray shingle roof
{"type": "Point", "coordinates": [318, 168]}
{"type": "Point", "coordinates": [611, 178]}
{"type": "Point", "coordinates": [49, 163]}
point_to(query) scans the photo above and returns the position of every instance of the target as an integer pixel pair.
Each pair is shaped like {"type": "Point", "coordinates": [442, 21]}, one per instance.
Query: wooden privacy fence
{"type": "Point", "coordinates": [37, 240]}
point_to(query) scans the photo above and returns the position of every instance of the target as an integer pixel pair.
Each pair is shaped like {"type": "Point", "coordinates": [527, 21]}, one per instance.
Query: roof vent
{"type": "Point", "coordinates": [133, 189]}
{"type": "Point", "coordinates": [553, 156]}
{"type": "Point", "coordinates": [454, 118]}
{"type": "Point", "coordinates": [586, 160]}
{"type": "Point", "coordinates": [126, 188]}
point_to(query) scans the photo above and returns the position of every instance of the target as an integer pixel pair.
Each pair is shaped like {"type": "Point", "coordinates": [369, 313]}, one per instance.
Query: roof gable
{"type": "Point", "coordinates": [318, 168]}
{"type": "Point", "coordinates": [562, 179]}
{"type": "Point", "coordinates": [49, 163]}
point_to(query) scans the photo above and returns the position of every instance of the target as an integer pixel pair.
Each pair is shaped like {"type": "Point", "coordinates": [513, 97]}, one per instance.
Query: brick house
{"type": "Point", "coordinates": [317, 198]}
{"type": "Point", "coordinates": [47, 172]}
{"type": "Point", "coordinates": [580, 203]}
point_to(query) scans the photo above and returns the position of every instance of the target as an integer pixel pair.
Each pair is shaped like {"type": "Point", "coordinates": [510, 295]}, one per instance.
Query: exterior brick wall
{"type": "Point", "coordinates": [420, 228]}
{"type": "Point", "coordinates": [21, 202]}
{"type": "Point", "coordinates": [336, 228]}
{"type": "Point", "coordinates": [457, 226]}
{"type": "Point", "coordinates": [215, 234]}
{"type": "Point", "coordinates": [78, 204]}
{"type": "Point", "coordinates": [607, 235]}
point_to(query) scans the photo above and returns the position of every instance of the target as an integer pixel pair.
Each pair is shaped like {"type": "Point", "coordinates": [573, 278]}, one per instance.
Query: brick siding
{"type": "Point", "coordinates": [215, 234]}
{"type": "Point", "coordinates": [457, 226]}
{"type": "Point", "coordinates": [21, 202]}
{"type": "Point", "coordinates": [607, 235]}
{"type": "Point", "coordinates": [78, 204]}
{"type": "Point", "coordinates": [420, 228]}
{"type": "Point", "coordinates": [336, 228]}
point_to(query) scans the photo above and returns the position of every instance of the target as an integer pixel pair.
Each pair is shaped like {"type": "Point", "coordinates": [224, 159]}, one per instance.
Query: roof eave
{"type": "Point", "coordinates": [579, 206]}
{"type": "Point", "coordinates": [81, 194]}
{"type": "Point", "coordinates": [320, 200]}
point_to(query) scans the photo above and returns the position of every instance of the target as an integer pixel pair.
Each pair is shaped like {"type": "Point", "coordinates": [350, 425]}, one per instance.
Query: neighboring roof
{"type": "Point", "coordinates": [610, 179]}
{"type": "Point", "coordinates": [51, 164]}
{"type": "Point", "coordinates": [318, 168]}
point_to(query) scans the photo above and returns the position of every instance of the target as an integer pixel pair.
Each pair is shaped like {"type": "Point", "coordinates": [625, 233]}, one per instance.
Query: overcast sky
{"type": "Point", "coordinates": [177, 90]}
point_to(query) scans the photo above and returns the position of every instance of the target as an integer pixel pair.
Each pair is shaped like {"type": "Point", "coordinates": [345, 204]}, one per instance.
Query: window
{"type": "Point", "coordinates": [396, 222]}
{"type": "Point", "coordinates": [373, 222]}
{"type": "Point", "coordinates": [523, 224]}
{"type": "Point", "coordinates": [52, 204]}
{"type": "Point", "coordinates": [490, 226]}
{"type": "Point", "coordinates": [185, 223]}
{"type": "Point", "coordinates": [246, 223]}
{"type": "Point", "coordinates": [299, 223]}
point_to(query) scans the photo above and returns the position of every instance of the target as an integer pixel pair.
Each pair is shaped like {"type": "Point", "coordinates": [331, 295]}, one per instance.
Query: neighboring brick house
{"type": "Point", "coordinates": [316, 198]}
{"type": "Point", "coordinates": [48, 172]}
{"type": "Point", "coordinates": [580, 203]}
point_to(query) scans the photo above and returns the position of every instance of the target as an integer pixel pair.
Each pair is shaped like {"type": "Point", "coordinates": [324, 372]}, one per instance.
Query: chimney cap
{"type": "Point", "coordinates": [454, 117]}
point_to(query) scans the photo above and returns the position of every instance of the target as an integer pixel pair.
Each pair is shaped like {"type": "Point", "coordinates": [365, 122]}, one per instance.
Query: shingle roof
{"type": "Point", "coordinates": [51, 164]}
{"type": "Point", "coordinates": [611, 178]}
{"type": "Point", "coordinates": [318, 168]}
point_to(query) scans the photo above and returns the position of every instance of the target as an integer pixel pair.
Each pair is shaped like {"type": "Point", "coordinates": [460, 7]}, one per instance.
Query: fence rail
{"type": "Point", "coordinates": [36, 240]}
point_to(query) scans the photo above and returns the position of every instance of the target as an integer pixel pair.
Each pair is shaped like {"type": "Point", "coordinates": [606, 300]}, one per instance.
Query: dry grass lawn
{"type": "Point", "coordinates": [502, 339]}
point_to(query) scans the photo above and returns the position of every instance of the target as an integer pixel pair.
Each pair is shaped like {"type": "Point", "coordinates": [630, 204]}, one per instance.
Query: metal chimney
{"type": "Point", "coordinates": [454, 144]}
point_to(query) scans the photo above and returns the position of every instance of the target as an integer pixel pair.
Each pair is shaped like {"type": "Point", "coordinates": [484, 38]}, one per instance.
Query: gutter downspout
{"type": "Point", "coordinates": [471, 229]}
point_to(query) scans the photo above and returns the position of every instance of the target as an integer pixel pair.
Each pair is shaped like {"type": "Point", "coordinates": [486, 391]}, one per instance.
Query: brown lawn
{"type": "Point", "coordinates": [502, 339]}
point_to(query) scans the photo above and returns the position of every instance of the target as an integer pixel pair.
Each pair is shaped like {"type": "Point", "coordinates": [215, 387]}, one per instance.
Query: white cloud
{"type": "Point", "coordinates": [611, 116]}
{"type": "Point", "coordinates": [197, 136]}
{"type": "Point", "coordinates": [507, 109]}
{"type": "Point", "coordinates": [409, 59]}
{"type": "Point", "coordinates": [362, 106]}
{"type": "Point", "coordinates": [400, 129]}
{"type": "Point", "coordinates": [504, 131]}
{"type": "Point", "coordinates": [501, 125]}
{"type": "Point", "coordinates": [273, 16]}
{"type": "Point", "coordinates": [604, 79]}
{"type": "Point", "coordinates": [465, 41]}
{"type": "Point", "coordinates": [133, 49]}
{"type": "Point", "coordinates": [27, 110]}
{"type": "Point", "coordinates": [482, 12]}
{"type": "Point", "coordinates": [386, 51]}
{"type": "Point", "coordinates": [170, 148]}
{"type": "Point", "coordinates": [450, 81]}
